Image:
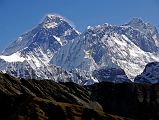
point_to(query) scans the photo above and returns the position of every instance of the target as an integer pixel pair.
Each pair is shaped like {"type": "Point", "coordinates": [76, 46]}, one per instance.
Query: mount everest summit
{"type": "Point", "coordinates": [55, 50]}
{"type": "Point", "coordinates": [28, 57]}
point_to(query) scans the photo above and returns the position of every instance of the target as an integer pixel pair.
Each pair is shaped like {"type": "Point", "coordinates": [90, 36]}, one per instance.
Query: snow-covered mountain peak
{"type": "Point", "coordinates": [29, 55]}
{"type": "Point", "coordinates": [48, 36]}
{"type": "Point", "coordinates": [89, 28]}
{"type": "Point", "coordinates": [136, 21]}
{"type": "Point", "coordinates": [53, 16]}
{"type": "Point", "coordinates": [98, 28]}
{"type": "Point", "coordinates": [149, 32]}
{"type": "Point", "coordinates": [142, 26]}
{"type": "Point", "coordinates": [53, 20]}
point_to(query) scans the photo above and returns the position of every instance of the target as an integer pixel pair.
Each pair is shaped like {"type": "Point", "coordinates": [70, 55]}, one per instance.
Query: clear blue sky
{"type": "Point", "coordinates": [19, 16]}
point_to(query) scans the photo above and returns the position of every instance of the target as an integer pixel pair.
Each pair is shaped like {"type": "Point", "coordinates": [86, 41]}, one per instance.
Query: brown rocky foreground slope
{"type": "Point", "coordinates": [48, 100]}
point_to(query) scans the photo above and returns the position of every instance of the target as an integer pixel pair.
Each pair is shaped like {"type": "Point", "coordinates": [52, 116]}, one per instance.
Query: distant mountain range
{"type": "Point", "coordinates": [56, 51]}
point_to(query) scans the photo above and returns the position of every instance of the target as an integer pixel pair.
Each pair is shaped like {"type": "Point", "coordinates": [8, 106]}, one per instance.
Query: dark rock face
{"type": "Point", "coordinates": [115, 75]}
{"type": "Point", "coordinates": [44, 99]}
{"type": "Point", "coordinates": [150, 74]}
{"type": "Point", "coordinates": [139, 101]}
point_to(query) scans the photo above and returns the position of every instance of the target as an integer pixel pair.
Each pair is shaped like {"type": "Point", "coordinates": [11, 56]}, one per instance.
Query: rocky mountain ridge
{"type": "Point", "coordinates": [125, 47]}
{"type": "Point", "coordinates": [45, 99]}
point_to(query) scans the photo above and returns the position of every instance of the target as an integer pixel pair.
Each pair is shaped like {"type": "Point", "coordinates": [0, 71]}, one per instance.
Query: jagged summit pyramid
{"type": "Point", "coordinates": [29, 56]}
{"type": "Point", "coordinates": [53, 32]}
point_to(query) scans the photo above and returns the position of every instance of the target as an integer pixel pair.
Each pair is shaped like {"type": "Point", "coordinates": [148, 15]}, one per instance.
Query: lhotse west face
{"type": "Point", "coordinates": [129, 47]}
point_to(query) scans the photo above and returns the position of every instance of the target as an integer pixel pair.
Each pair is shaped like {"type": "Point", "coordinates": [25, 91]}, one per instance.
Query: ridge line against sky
{"type": "Point", "coordinates": [19, 16]}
